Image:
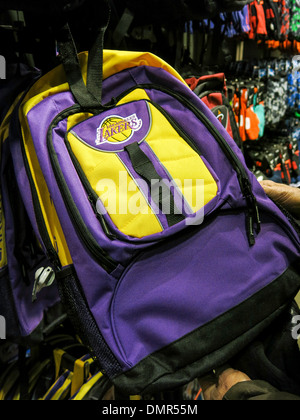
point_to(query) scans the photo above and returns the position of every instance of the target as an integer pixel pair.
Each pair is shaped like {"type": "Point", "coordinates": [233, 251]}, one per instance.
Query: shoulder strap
{"type": "Point", "coordinates": [87, 95]}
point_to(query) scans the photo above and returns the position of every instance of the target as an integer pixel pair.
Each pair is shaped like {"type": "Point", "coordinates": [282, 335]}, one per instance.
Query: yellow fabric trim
{"type": "Point", "coordinates": [81, 374]}
{"type": "Point", "coordinates": [57, 357]}
{"type": "Point", "coordinates": [183, 164]}
{"type": "Point", "coordinates": [136, 95]}
{"type": "Point", "coordinates": [87, 387]}
{"type": "Point", "coordinates": [4, 127]}
{"type": "Point", "coordinates": [135, 398]}
{"type": "Point", "coordinates": [106, 174]}
{"type": "Point", "coordinates": [114, 61]}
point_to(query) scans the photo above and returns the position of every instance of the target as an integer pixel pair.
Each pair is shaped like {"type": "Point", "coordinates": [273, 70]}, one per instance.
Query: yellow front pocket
{"type": "Point", "coordinates": [121, 178]}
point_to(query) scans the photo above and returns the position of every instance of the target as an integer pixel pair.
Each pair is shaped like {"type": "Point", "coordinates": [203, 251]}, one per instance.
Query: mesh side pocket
{"type": "Point", "coordinates": [79, 314]}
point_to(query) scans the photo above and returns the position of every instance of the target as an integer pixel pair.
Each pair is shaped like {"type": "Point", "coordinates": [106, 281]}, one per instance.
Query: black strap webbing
{"type": "Point", "coordinates": [69, 58]}
{"type": "Point", "coordinates": [160, 192]}
{"type": "Point", "coordinates": [89, 95]}
{"type": "Point", "coordinates": [95, 67]}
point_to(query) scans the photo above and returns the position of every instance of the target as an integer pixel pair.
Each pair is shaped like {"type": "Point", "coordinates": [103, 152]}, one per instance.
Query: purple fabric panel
{"type": "Point", "coordinates": [171, 291]}
{"type": "Point", "coordinates": [23, 183]}
{"type": "Point", "coordinates": [98, 286]}
{"type": "Point", "coordinates": [29, 315]}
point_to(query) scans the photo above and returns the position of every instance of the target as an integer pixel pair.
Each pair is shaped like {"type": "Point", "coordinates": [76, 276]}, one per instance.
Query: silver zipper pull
{"type": "Point", "coordinates": [44, 277]}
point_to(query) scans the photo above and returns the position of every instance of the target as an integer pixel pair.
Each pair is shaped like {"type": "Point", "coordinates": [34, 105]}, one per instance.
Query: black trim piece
{"type": "Point", "coordinates": [145, 168]}
{"type": "Point", "coordinates": [87, 238]}
{"type": "Point", "coordinates": [214, 344]}
{"type": "Point", "coordinates": [54, 316]}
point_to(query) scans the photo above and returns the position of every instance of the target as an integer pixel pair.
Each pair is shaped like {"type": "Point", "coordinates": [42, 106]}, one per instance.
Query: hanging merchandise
{"type": "Point", "coordinates": [275, 88]}
{"type": "Point", "coordinates": [275, 159]}
{"type": "Point", "coordinates": [235, 23]}
{"type": "Point", "coordinates": [275, 24]}
{"type": "Point", "coordinates": [276, 100]}
{"type": "Point", "coordinates": [249, 108]}
{"type": "Point", "coordinates": [285, 19]}
{"type": "Point", "coordinates": [273, 21]}
{"type": "Point", "coordinates": [258, 26]}
{"type": "Point", "coordinates": [295, 20]}
{"type": "Point", "coordinates": [212, 90]}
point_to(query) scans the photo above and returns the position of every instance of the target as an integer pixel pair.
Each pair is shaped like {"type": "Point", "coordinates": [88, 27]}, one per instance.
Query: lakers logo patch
{"type": "Point", "coordinates": [116, 129]}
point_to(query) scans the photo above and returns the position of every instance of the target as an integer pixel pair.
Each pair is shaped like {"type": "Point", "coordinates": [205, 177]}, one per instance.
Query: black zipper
{"type": "Point", "coordinates": [85, 235]}
{"type": "Point", "coordinates": [243, 178]}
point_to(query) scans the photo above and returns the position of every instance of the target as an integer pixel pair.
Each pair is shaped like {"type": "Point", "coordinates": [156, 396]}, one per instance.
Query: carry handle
{"type": "Point", "coordinates": [87, 95]}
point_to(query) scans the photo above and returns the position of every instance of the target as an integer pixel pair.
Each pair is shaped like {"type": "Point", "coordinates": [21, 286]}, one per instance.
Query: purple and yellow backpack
{"type": "Point", "coordinates": [167, 253]}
